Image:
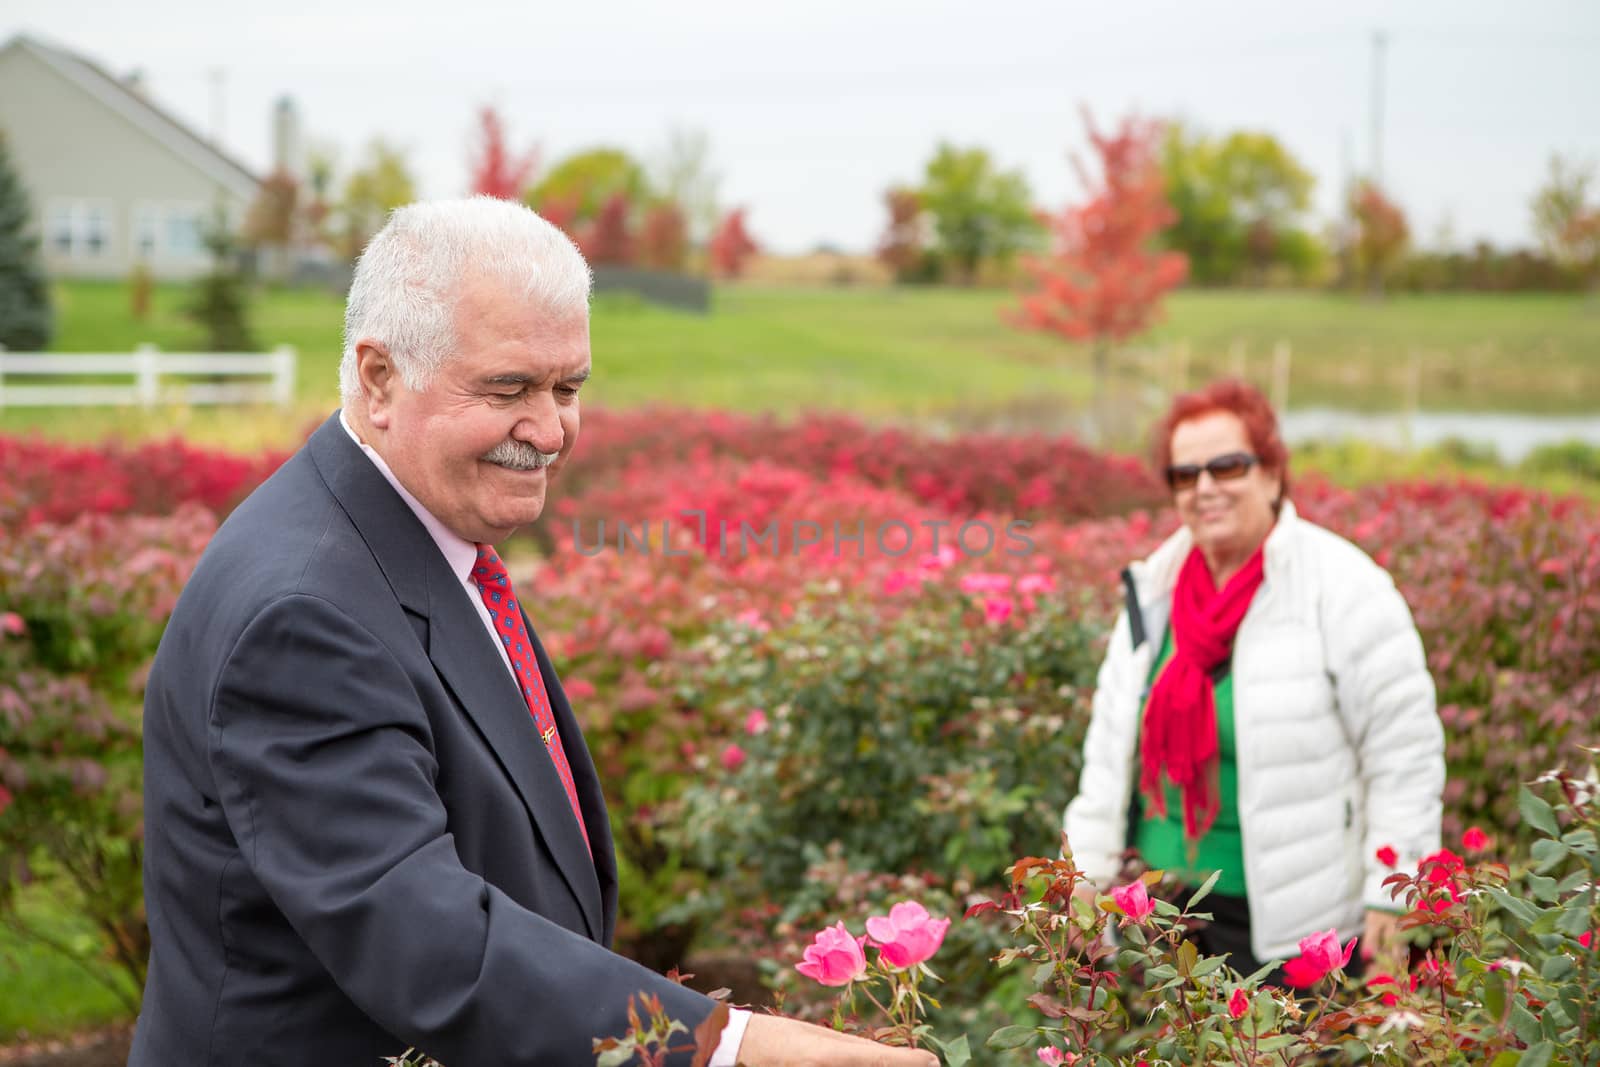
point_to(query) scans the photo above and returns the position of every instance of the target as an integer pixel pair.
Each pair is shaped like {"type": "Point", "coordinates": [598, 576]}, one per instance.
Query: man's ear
{"type": "Point", "coordinates": [379, 381]}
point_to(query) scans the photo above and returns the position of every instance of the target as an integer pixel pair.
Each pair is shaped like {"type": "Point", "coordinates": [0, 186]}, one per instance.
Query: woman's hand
{"type": "Point", "coordinates": [1381, 937]}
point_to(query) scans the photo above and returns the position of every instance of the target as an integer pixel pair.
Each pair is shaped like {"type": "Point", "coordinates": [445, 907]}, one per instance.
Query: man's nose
{"type": "Point", "coordinates": [540, 426]}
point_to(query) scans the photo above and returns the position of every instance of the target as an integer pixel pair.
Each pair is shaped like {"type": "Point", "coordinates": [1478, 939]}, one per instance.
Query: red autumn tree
{"type": "Point", "coordinates": [609, 241]}
{"type": "Point", "coordinates": [1381, 234]}
{"type": "Point", "coordinates": [901, 247]}
{"type": "Point", "coordinates": [1104, 277]}
{"type": "Point", "coordinates": [562, 213]}
{"type": "Point", "coordinates": [495, 170]}
{"type": "Point", "coordinates": [730, 246]}
{"type": "Point", "coordinates": [664, 237]}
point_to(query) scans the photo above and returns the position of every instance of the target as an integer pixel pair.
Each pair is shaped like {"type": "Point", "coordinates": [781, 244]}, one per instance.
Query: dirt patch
{"type": "Point", "coordinates": [96, 1048]}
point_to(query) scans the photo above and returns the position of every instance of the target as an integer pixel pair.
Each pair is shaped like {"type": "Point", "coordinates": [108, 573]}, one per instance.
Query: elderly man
{"type": "Point", "coordinates": [371, 819]}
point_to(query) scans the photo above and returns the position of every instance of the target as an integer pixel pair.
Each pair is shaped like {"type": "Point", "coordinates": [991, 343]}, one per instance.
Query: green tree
{"type": "Point", "coordinates": [25, 318]}
{"type": "Point", "coordinates": [219, 302]}
{"type": "Point", "coordinates": [382, 184]}
{"type": "Point", "coordinates": [1567, 224]}
{"type": "Point", "coordinates": [978, 212]}
{"type": "Point", "coordinates": [1241, 201]}
{"type": "Point", "coordinates": [586, 180]}
{"type": "Point", "coordinates": [683, 177]}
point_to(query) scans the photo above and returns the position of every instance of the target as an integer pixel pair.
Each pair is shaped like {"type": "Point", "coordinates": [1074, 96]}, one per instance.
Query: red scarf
{"type": "Point", "coordinates": [1180, 721]}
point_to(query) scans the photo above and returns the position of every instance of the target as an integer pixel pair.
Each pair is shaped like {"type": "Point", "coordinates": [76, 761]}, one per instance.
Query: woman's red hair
{"type": "Point", "coordinates": [1239, 399]}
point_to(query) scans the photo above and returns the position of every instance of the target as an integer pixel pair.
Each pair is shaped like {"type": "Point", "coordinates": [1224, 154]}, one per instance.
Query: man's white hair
{"type": "Point", "coordinates": [405, 284]}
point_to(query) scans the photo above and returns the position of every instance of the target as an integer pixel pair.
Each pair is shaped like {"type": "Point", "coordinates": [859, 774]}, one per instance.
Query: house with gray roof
{"type": "Point", "coordinates": [115, 180]}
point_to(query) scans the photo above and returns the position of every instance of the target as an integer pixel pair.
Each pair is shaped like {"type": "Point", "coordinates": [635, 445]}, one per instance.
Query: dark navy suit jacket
{"type": "Point", "coordinates": [354, 840]}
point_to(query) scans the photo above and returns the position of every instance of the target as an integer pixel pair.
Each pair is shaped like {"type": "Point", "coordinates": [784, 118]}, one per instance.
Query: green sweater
{"type": "Point", "coordinates": [1159, 838]}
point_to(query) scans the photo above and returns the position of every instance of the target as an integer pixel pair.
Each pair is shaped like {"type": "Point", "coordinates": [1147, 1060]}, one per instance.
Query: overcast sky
{"type": "Point", "coordinates": [813, 109]}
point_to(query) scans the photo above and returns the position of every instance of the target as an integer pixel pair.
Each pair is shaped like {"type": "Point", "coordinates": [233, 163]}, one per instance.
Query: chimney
{"type": "Point", "coordinates": [287, 152]}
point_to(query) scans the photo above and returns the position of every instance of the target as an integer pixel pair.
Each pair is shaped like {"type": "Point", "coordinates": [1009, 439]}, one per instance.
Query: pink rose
{"type": "Point", "coordinates": [1388, 996]}
{"type": "Point", "coordinates": [1388, 856]}
{"type": "Point", "coordinates": [983, 582]}
{"type": "Point", "coordinates": [578, 689]}
{"type": "Point", "coordinates": [1029, 584]}
{"type": "Point", "coordinates": [1134, 900]}
{"type": "Point", "coordinates": [907, 935]}
{"type": "Point", "coordinates": [834, 958]}
{"type": "Point", "coordinates": [752, 618]}
{"type": "Point", "coordinates": [898, 582]}
{"type": "Point", "coordinates": [1439, 866]}
{"type": "Point", "coordinates": [1052, 1056]}
{"type": "Point", "coordinates": [5, 802]}
{"type": "Point", "coordinates": [997, 609]}
{"type": "Point", "coordinates": [755, 722]}
{"type": "Point", "coordinates": [1319, 957]}
{"type": "Point", "coordinates": [11, 623]}
{"type": "Point", "coordinates": [732, 758]}
{"type": "Point", "coordinates": [938, 561]}
{"type": "Point", "coordinates": [1586, 938]}
{"type": "Point", "coordinates": [1474, 840]}
{"type": "Point", "coordinates": [1238, 1004]}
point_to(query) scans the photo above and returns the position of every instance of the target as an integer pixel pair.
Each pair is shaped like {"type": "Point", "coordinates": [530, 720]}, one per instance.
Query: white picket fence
{"type": "Point", "coordinates": [265, 378]}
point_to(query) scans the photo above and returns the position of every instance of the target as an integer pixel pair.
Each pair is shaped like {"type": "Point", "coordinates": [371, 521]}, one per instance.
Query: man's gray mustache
{"type": "Point", "coordinates": [519, 456]}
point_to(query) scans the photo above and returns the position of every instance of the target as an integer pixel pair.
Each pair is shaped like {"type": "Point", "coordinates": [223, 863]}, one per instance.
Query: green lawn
{"type": "Point", "coordinates": [925, 354]}
{"type": "Point", "coordinates": [43, 992]}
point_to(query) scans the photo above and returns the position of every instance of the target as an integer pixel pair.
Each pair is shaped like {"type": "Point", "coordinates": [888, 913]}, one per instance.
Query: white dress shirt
{"type": "Point", "coordinates": [461, 555]}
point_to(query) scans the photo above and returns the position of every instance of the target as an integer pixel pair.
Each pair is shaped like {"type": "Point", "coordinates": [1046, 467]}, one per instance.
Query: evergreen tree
{"type": "Point", "coordinates": [219, 302]}
{"type": "Point", "coordinates": [25, 319]}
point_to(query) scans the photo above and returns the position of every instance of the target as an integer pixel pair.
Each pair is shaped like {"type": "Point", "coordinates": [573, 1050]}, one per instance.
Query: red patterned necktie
{"type": "Point", "coordinates": [494, 585]}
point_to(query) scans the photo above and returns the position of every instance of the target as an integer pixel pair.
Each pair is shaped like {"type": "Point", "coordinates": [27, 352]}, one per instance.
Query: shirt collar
{"type": "Point", "coordinates": [459, 553]}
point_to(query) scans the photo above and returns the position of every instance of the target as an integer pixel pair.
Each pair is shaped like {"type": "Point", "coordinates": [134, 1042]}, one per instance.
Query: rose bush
{"type": "Point", "coordinates": [934, 693]}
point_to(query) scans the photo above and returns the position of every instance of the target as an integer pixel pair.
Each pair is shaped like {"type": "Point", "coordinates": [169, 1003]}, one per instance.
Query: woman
{"type": "Point", "coordinates": [1264, 709]}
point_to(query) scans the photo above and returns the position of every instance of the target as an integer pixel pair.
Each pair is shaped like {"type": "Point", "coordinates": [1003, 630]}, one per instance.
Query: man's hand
{"type": "Point", "coordinates": [773, 1041]}
{"type": "Point", "coordinates": [1381, 937]}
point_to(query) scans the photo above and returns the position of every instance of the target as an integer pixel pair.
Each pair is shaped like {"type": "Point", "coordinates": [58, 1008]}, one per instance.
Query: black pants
{"type": "Point", "coordinates": [1228, 934]}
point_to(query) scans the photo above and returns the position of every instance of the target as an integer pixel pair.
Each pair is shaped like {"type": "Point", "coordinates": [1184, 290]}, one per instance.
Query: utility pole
{"type": "Point", "coordinates": [218, 74]}
{"type": "Point", "coordinates": [1379, 42]}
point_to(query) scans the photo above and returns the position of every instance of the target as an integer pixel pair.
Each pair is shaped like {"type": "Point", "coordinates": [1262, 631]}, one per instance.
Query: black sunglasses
{"type": "Point", "coordinates": [1226, 468]}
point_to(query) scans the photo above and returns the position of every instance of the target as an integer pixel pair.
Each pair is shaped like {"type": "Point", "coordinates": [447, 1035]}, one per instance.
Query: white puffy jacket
{"type": "Point", "coordinates": [1339, 746]}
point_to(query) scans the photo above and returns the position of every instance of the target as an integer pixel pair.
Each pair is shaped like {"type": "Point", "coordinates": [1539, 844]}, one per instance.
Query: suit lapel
{"type": "Point", "coordinates": [585, 778]}
{"type": "Point", "coordinates": [464, 655]}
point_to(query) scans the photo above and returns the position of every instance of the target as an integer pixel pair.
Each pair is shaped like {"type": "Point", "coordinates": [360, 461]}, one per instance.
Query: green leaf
{"type": "Point", "coordinates": [1537, 813]}
{"type": "Point", "coordinates": [1012, 1037]}
{"type": "Point", "coordinates": [1042, 973]}
{"type": "Point", "coordinates": [1494, 994]}
{"type": "Point", "coordinates": [1538, 1055]}
{"type": "Point", "coordinates": [1543, 888]}
{"type": "Point", "coordinates": [1187, 955]}
{"type": "Point", "coordinates": [1574, 918]}
{"type": "Point", "coordinates": [1273, 1044]}
{"type": "Point", "coordinates": [1207, 965]}
{"type": "Point", "coordinates": [956, 1052]}
{"type": "Point", "coordinates": [1205, 889]}
{"type": "Point", "coordinates": [1573, 882]}
{"type": "Point", "coordinates": [1547, 854]}
{"type": "Point", "coordinates": [1580, 840]}
{"type": "Point", "coordinates": [1524, 911]}
{"type": "Point", "coordinates": [1525, 1025]}
{"type": "Point", "coordinates": [1557, 967]}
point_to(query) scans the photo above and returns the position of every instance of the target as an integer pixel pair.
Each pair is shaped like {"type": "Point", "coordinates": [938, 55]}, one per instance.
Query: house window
{"type": "Point", "coordinates": [60, 229]}
{"type": "Point", "coordinates": [79, 229]}
{"type": "Point", "coordinates": [183, 234]}
{"type": "Point", "coordinates": [146, 231]}
{"type": "Point", "coordinates": [96, 229]}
